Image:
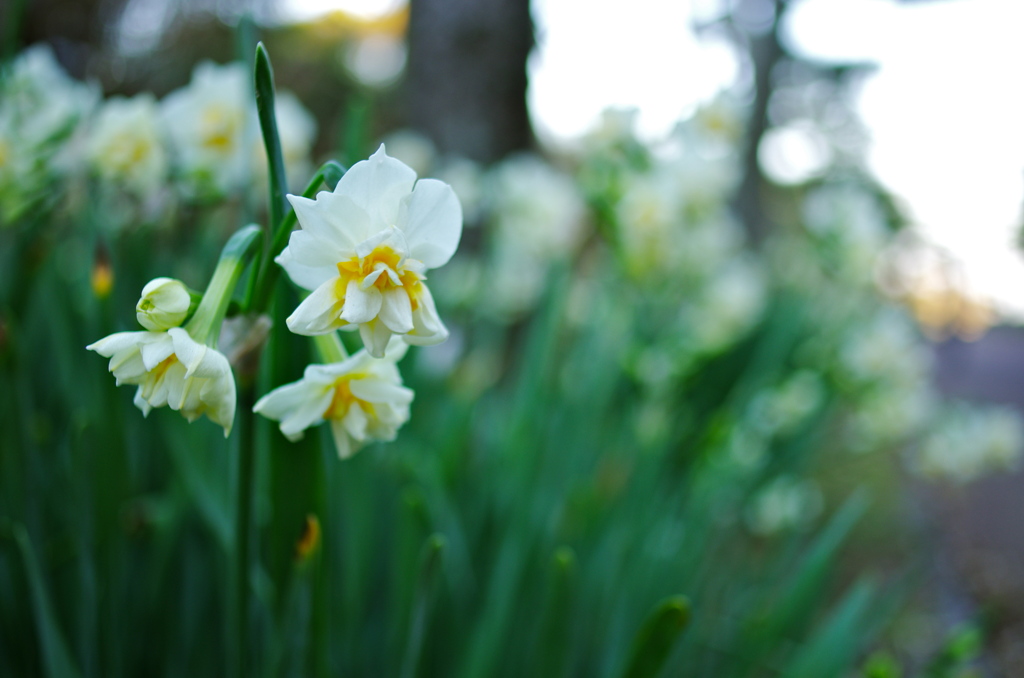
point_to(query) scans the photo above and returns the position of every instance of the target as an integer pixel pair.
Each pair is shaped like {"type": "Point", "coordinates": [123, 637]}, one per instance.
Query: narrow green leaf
{"type": "Point", "coordinates": [554, 639]}
{"type": "Point", "coordinates": [656, 638]}
{"type": "Point", "coordinates": [56, 658]}
{"type": "Point", "coordinates": [833, 649]}
{"type": "Point", "coordinates": [264, 74]}
{"type": "Point", "coordinates": [806, 587]}
{"type": "Point", "coordinates": [430, 565]}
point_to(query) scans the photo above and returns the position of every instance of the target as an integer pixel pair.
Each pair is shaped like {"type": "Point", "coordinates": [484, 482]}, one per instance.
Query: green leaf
{"type": "Point", "coordinates": [832, 650]}
{"type": "Point", "coordinates": [554, 640]}
{"type": "Point", "coordinates": [264, 74]}
{"type": "Point", "coordinates": [56, 658]}
{"type": "Point", "coordinates": [656, 638]}
{"type": "Point", "coordinates": [430, 565]}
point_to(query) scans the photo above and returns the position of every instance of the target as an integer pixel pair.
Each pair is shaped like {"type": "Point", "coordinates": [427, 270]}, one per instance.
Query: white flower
{"type": "Point", "coordinates": [125, 145]}
{"type": "Point", "coordinates": [538, 216]}
{"type": "Point", "coordinates": [364, 251]}
{"type": "Point", "coordinates": [968, 442]}
{"type": "Point", "coordinates": [171, 368]}
{"type": "Point", "coordinates": [40, 107]}
{"type": "Point", "coordinates": [784, 503]}
{"type": "Point", "coordinates": [163, 305]}
{"type": "Point", "coordinates": [210, 124]}
{"type": "Point", "coordinates": [362, 398]}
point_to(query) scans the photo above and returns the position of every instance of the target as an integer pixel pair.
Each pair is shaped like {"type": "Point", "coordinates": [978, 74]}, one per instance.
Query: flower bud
{"type": "Point", "coordinates": [164, 304]}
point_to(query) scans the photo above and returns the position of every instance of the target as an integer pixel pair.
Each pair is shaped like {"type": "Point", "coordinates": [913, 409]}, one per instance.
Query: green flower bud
{"type": "Point", "coordinates": [164, 304]}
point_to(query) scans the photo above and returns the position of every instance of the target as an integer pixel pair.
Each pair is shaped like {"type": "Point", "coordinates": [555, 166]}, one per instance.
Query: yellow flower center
{"type": "Point", "coordinates": [343, 399]}
{"type": "Point", "coordinates": [382, 256]}
{"type": "Point", "coordinates": [220, 128]}
{"type": "Point", "coordinates": [156, 375]}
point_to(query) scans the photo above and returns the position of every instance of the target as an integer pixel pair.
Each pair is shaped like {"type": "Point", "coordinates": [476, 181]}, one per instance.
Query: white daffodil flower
{"type": "Point", "coordinates": [362, 398]}
{"type": "Point", "coordinates": [164, 304]}
{"type": "Point", "coordinates": [364, 251]}
{"type": "Point", "coordinates": [210, 123]}
{"type": "Point", "coordinates": [171, 368]}
{"type": "Point", "coordinates": [125, 144]}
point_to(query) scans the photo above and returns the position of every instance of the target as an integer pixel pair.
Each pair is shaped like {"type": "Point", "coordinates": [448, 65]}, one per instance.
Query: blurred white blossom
{"type": "Point", "coordinates": [212, 126]}
{"type": "Point", "coordinates": [537, 214]}
{"type": "Point", "coordinates": [968, 442]}
{"type": "Point", "coordinates": [785, 503]}
{"type": "Point", "coordinates": [885, 348]}
{"type": "Point", "coordinates": [125, 145]}
{"type": "Point", "coordinates": [40, 109]}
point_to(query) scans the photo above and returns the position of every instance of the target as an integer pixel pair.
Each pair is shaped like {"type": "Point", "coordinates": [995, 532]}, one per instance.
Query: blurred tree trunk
{"type": "Point", "coordinates": [765, 50]}
{"type": "Point", "coordinates": [466, 82]}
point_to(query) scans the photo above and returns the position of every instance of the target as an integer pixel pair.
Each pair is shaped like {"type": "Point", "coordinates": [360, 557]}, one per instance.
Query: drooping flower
{"type": "Point", "coordinates": [364, 251]}
{"type": "Point", "coordinates": [181, 367]}
{"type": "Point", "coordinates": [164, 304]}
{"type": "Point", "coordinates": [171, 368]}
{"type": "Point", "coordinates": [362, 398]}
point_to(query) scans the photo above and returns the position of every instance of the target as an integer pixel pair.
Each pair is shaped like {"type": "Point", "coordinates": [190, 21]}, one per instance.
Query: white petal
{"type": "Point", "coordinates": [131, 370]}
{"type": "Point", "coordinates": [355, 422]}
{"type": "Point", "coordinates": [284, 399]}
{"type": "Point", "coordinates": [396, 349]}
{"type": "Point", "coordinates": [308, 413]}
{"type": "Point", "coordinates": [377, 391]}
{"type": "Point", "coordinates": [428, 328]}
{"type": "Point", "coordinates": [220, 397]}
{"type": "Point", "coordinates": [189, 352]}
{"type": "Point", "coordinates": [119, 341]}
{"type": "Point", "coordinates": [375, 335]}
{"type": "Point", "coordinates": [396, 310]}
{"type": "Point", "coordinates": [341, 439]}
{"type": "Point", "coordinates": [141, 403]}
{"type": "Point", "coordinates": [319, 313]}
{"type": "Point", "coordinates": [310, 261]}
{"type": "Point", "coordinates": [360, 305]}
{"type": "Point", "coordinates": [214, 365]}
{"type": "Point", "coordinates": [378, 186]}
{"type": "Point", "coordinates": [431, 218]}
{"type": "Point", "coordinates": [371, 278]}
{"type": "Point", "coordinates": [155, 352]}
{"type": "Point", "coordinates": [390, 236]}
{"type": "Point", "coordinates": [334, 219]}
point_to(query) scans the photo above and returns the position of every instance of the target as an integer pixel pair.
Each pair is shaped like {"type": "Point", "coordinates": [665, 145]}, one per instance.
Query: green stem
{"type": "Point", "coordinates": [204, 326]}
{"type": "Point", "coordinates": [330, 348]}
{"type": "Point", "coordinates": [245, 477]}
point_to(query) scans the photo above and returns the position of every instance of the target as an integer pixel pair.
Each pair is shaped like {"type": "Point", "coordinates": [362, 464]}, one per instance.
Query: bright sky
{"type": "Point", "coordinates": [945, 108]}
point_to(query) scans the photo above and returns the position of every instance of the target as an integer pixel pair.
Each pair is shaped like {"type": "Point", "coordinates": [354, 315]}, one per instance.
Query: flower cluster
{"type": "Point", "coordinates": [40, 109]}
{"type": "Point", "coordinates": [363, 250]}
{"type": "Point", "coordinates": [200, 143]}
